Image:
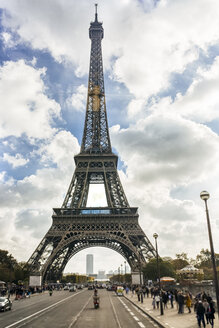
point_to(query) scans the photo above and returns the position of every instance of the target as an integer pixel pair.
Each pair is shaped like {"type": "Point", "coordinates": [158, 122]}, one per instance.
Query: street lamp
{"type": "Point", "coordinates": [125, 266]}
{"type": "Point", "coordinates": [155, 235]}
{"type": "Point", "coordinates": [204, 196]}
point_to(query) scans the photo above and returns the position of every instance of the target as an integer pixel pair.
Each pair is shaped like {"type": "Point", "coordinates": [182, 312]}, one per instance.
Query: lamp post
{"type": "Point", "coordinates": [125, 266]}
{"type": "Point", "coordinates": [155, 235]}
{"type": "Point", "coordinates": [204, 196]}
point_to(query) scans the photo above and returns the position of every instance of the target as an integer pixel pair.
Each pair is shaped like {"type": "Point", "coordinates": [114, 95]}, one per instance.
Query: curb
{"type": "Point", "coordinates": [152, 318]}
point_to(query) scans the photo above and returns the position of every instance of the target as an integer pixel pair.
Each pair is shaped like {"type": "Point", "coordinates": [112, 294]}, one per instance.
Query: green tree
{"type": "Point", "coordinates": [150, 269]}
{"type": "Point", "coordinates": [7, 266]}
{"type": "Point", "coordinates": [181, 261]}
{"type": "Point", "coordinates": [203, 261]}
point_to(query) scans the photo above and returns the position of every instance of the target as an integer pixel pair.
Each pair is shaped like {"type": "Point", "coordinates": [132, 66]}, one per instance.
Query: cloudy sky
{"type": "Point", "coordinates": [161, 66]}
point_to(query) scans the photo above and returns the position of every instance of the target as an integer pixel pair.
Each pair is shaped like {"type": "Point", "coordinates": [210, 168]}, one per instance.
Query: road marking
{"type": "Point", "coordinates": [134, 317]}
{"type": "Point", "coordinates": [141, 324]}
{"type": "Point", "coordinates": [79, 313]}
{"type": "Point", "coordinates": [43, 310]}
{"type": "Point", "coordinates": [117, 320]}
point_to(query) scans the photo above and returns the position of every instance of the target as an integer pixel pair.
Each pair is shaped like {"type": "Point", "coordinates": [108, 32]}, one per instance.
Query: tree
{"type": "Point", "coordinates": [204, 261]}
{"type": "Point", "coordinates": [150, 269]}
{"type": "Point", "coordinates": [181, 261]}
{"type": "Point", "coordinates": [7, 266]}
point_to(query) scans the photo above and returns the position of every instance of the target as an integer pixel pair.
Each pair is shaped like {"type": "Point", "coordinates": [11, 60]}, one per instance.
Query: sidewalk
{"type": "Point", "coordinates": [171, 318]}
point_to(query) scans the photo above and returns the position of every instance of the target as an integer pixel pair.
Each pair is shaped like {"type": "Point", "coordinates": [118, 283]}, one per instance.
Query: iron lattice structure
{"type": "Point", "coordinates": [75, 226]}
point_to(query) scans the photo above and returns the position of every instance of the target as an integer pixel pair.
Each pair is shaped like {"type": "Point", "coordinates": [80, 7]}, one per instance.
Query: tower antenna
{"type": "Point", "coordinates": [96, 12]}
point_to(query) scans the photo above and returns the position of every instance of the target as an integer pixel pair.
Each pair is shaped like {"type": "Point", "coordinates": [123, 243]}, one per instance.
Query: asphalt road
{"type": "Point", "coordinates": [66, 310]}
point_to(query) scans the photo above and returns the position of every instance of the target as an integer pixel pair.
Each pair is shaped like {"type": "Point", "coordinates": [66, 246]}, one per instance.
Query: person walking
{"type": "Point", "coordinates": [211, 312]}
{"type": "Point", "coordinates": [171, 299]}
{"type": "Point", "coordinates": [180, 302]}
{"type": "Point", "coordinates": [188, 302]}
{"type": "Point", "coordinates": [200, 314]}
{"type": "Point", "coordinates": [157, 300]}
{"type": "Point", "coordinates": [206, 306]}
{"type": "Point", "coordinates": [165, 299]}
{"type": "Point", "coordinates": [154, 303]}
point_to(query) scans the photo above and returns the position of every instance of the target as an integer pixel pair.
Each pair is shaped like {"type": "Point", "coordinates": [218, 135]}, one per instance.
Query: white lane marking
{"type": "Point", "coordinates": [141, 324]}
{"type": "Point", "coordinates": [117, 320]}
{"type": "Point", "coordinates": [48, 307]}
{"type": "Point", "coordinates": [79, 313]}
{"type": "Point", "coordinates": [136, 318]}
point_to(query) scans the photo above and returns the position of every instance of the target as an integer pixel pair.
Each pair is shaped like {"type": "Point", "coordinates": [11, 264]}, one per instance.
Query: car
{"type": "Point", "coordinates": [80, 286]}
{"type": "Point", "coordinates": [66, 288]}
{"type": "Point", "coordinates": [72, 289]}
{"type": "Point", "coordinates": [5, 304]}
{"type": "Point", "coordinates": [119, 291]}
{"type": "Point", "coordinates": [90, 287]}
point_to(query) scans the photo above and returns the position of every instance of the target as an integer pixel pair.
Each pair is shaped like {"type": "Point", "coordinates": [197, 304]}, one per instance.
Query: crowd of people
{"type": "Point", "coordinates": [202, 303]}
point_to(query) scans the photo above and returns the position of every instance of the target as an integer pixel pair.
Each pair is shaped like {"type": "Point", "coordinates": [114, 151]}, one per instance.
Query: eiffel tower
{"type": "Point", "coordinates": [75, 226]}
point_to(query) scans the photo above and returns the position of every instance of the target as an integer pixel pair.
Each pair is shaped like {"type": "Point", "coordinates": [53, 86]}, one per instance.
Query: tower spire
{"type": "Point", "coordinates": [96, 133]}
{"type": "Point", "coordinates": [96, 19]}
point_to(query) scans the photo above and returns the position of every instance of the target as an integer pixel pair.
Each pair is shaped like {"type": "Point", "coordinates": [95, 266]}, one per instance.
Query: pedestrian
{"type": "Point", "coordinates": [180, 302]}
{"type": "Point", "coordinates": [165, 299]}
{"type": "Point", "coordinates": [144, 290]}
{"type": "Point", "coordinates": [153, 302]}
{"type": "Point", "coordinates": [188, 302]}
{"type": "Point", "coordinates": [206, 306]}
{"type": "Point", "coordinates": [200, 314]}
{"type": "Point", "coordinates": [138, 292]}
{"type": "Point", "coordinates": [157, 300]}
{"type": "Point", "coordinates": [171, 299]}
{"type": "Point", "coordinates": [211, 312]}
{"type": "Point", "coordinates": [147, 291]}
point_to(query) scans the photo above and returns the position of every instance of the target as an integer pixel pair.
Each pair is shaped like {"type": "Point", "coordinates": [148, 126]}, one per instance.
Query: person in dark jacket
{"type": "Point", "coordinates": [200, 314]}
{"type": "Point", "coordinates": [180, 302]}
{"type": "Point", "coordinates": [210, 312]}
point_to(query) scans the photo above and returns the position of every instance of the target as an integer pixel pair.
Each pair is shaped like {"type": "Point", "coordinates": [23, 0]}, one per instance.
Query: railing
{"type": "Point", "coordinates": [94, 211]}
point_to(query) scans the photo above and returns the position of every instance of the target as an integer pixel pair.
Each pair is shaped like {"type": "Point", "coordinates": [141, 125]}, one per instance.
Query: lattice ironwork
{"type": "Point", "coordinates": [75, 226]}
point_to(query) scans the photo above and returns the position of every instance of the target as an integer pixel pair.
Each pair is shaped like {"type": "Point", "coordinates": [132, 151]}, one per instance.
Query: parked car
{"type": "Point", "coordinates": [66, 288]}
{"type": "Point", "coordinates": [72, 289]}
{"type": "Point", "coordinates": [80, 286]}
{"type": "Point", "coordinates": [5, 304]}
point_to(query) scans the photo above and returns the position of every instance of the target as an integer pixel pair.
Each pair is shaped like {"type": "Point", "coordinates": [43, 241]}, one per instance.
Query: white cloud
{"type": "Point", "coordinates": [7, 39]}
{"type": "Point", "coordinates": [162, 154]}
{"type": "Point", "coordinates": [25, 107]}
{"type": "Point", "coordinates": [168, 155]}
{"type": "Point", "coordinates": [148, 45]}
{"type": "Point", "coordinates": [32, 198]}
{"type": "Point", "coordinates": [15, 161]}
{"type": "Point", "coordinates": [78, 99]}
{"type": "Point", "coordinates": [201, 101]}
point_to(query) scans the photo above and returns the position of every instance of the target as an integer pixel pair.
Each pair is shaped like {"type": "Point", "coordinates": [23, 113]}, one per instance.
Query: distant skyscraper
{"type": "Point", "coordinates": [89, 263]}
